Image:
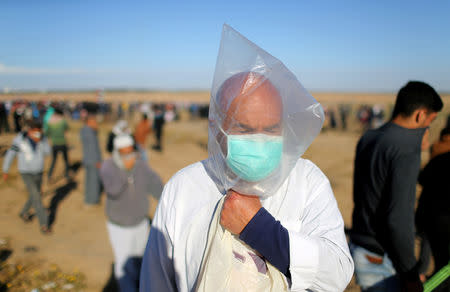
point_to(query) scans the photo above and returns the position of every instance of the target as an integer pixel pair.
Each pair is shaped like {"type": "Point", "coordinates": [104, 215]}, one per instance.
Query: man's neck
{"type": "Point", "coordinates": [405, 122]}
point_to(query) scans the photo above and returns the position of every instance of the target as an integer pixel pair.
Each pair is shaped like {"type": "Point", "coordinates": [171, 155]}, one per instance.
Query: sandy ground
{"type": "Point", "coordinates": [79, 240]}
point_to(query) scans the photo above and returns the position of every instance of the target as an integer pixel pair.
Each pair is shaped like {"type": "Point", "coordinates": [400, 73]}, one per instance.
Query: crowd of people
{"type": "Point", "coordinates": [254, 215]}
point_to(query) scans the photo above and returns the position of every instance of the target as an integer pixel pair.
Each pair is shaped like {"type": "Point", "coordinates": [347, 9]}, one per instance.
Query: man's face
{"type": "Point", "coordinates": [128, 156]}
{"type": "Point", "coordinates": [259, 110]}
{"type": "Point", "coordinates": [35, 134]}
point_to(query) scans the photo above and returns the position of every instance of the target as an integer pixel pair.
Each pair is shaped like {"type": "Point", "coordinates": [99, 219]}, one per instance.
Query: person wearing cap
{"type": "Point", "coordinates": [31, 147]}
{"type": "Point", "coordinates": [296, 228]}
{"type": "Point", "coordinates": [91, 160]}
{"type": "Point", "coordinates": [387, 165]}
{"type": "Point", "coordinates": [120, 128]}
{"type": "Point", "coordinates": [128, 181]}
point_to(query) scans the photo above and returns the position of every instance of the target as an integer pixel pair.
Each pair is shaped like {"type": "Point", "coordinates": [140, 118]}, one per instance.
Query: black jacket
{"type": "Point", "coordinates": [387, 165]}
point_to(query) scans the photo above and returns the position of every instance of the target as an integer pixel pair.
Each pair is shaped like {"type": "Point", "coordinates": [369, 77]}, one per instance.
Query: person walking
{"type": "Point", "coordinates": [30, 147]}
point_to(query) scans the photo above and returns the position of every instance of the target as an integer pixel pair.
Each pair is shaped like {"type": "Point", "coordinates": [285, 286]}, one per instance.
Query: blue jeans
{"type": "Point", "coordinates": [374, 277]}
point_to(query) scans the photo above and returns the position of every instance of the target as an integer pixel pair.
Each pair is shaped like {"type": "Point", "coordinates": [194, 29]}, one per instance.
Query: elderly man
{"type": "Point", "coordinates": [128, 181]}
{"type": "Point", "coordinates": [253, 216]}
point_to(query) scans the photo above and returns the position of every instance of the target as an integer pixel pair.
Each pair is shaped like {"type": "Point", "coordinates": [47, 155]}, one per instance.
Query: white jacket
{"type": "Point", "coordinates": [305, 206]}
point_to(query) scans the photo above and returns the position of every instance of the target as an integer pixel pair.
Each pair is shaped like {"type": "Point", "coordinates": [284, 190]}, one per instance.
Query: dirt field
{"type": "Point", "coordinates": [79, 242]}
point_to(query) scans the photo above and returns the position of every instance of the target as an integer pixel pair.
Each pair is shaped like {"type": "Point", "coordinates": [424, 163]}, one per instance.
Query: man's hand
{"type": "Point", "coordinates": [238, 210]}
{"type": "Point", "coordinates": [5, 176]}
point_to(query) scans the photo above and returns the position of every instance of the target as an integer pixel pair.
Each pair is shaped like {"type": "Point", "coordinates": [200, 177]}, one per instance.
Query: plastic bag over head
{"type": "Point", "coordinates": [261, 119]}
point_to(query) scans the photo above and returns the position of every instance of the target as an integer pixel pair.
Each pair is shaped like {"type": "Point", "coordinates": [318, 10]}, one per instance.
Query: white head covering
{"type": "Point", "coordinates": [302, 115]}
{"type": "Point", "coordinates": [120, 142]}
{"type": "Point", "coordinates": [121, 127]}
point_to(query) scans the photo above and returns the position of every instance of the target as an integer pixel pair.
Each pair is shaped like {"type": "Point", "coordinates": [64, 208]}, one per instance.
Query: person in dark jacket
{"type": "Point", "coordinates": [387, 166]}
{"type": "Point", "coordinates": [433, 211]}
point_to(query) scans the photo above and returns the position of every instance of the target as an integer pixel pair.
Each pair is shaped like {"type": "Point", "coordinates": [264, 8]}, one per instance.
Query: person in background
{"type": "Point", "coordinates": [31, 147]}
{"type": "Point", "coordinates": [91, 160]}
{"type": "Point", "coordinates": [4, 125]}
{"type": "Point", "coordinates": [120, 128]}
{"type": "Point", "coordinates": [56, 131]}
{"type": "Point", "coordinates": [433, 210]}
{"type": "Point", "coordinates": [387, 165]}
{"type": "Point", "coordinates": [128, 181]}
{"type": "Point", "coordinates": [140, 135]}
{"type": "Point", "coordinates": [158, 125]}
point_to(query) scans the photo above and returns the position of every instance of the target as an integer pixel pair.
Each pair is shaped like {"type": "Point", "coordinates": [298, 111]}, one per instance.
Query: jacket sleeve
{"type": "Point", "coordinates": [400, 214]}
{"type": "Point", "coordinates": [319, 256]}
{"type": "Point", "coordinates": [10, 154]}
{"type": "Point", "coordinates": [114, 184]}
{"type": "Point", "coordinates": [46, 146]}
{"type": "Point", "coordinates": [154, 183]}
{"type": "Point", "coordinates": [157, 271]}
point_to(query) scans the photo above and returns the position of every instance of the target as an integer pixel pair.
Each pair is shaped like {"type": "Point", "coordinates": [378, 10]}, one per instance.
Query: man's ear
{"type": "Point", "coordinates": [420, 116]}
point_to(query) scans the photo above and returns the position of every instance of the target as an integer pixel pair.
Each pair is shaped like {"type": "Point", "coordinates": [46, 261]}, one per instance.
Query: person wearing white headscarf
{"type": "Point", "coordinates": [253, 216]}
{"type": "Point", "coordinates": [128, 181]}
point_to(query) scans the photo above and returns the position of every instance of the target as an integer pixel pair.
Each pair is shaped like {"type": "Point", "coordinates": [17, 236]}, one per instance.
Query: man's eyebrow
{"type": "Point", "coordinates": [274, 126]}
{"type": "Point", "coordinates": [244, 126]}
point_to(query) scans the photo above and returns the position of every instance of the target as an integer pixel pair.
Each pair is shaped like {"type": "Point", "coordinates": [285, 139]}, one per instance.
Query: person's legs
{"type": "Point", "coordinates": [122, 242]}
{"type": "Point", "coordinates": [66, 159]}
{"type": "Point", "coordinates": [373, 272]}
{"type": "Point", "coordinates": [26, 207]}
{"type": "Point", "coordinates": [55, 151]}
{"type": "Point", "coordinates": [92, 186]}
{"type": "Point", "coordinates": [33, 183]}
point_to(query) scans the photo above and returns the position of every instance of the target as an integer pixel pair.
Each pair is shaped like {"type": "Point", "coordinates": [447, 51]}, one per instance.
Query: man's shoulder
{"type": "Point", "coordinates": [191, 172]}
{"type": "Point", "coordinates": [308, 173]}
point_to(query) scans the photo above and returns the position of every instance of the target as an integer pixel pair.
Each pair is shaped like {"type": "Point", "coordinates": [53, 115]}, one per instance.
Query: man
{"type": "Point", "coordinates": [158, 125]}
{"type": "Point", "coordinates": [31, 149]}
{"type": "Point", "coordinates": [387, 165]}
{"type": "Point", "coordinates": [128, 181]}
{"type": "Point", "coordinates": [91, 160]}
{"type": "Point", "coordinates": [140, 134]}
{"type": "Point", "coordinates": [277, 211]}
{"type": "Point", "coordinates": [298, 228]}
{"type": "Point", "coordinates": [56, 131]}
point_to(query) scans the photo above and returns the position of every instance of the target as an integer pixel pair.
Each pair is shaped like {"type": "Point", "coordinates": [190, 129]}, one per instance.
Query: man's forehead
{"type": "Point", "coordinates": [247, 87]}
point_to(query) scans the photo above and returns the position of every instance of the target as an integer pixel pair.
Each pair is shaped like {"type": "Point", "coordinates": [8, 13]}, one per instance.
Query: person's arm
{"type": "Point", "coordinates": [157, 271]}
{"type": "Point", "coordinates": [318, 257]}
{"type": "Point", "coordinates": [400, 230]}
{"type": "Point", "coordinates": [46, 146]}
{"type": "Point", "coordinates": [9, 157]}
{"type": "Point", "coordinates": [154, 183]}
{"type": "Point", "coordinates": [114, 183]}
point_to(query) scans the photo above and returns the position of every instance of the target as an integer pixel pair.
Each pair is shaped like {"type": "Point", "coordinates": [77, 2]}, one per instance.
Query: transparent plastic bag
{"type": "Point", "coordinates": [228, 266]}
{"type": "Point", "coordinates": [243, 70]}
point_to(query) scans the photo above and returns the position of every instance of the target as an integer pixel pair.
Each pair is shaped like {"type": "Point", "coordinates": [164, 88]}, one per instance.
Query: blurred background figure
{"type": "Point", "coordinates": [91, 160]}
{"type": "Point", "coordinates": [433, 211]}
{"type": "Point", "coordinates": [4, 125]}
{"type": "Point", "coordinates": [31, 148]}
{"type": "Point", "coordinates": [344, 112]}
{"type": "Point", "coordinates": [140, 135]}
{"type": "Point", "coordinates": [128, 181]}
{"type": "Point", "coordinates": [158, 124]}
{"type": "Point", "coordinates": [120, 128]}
{"type": "Point", "coordinates": [56, 129]}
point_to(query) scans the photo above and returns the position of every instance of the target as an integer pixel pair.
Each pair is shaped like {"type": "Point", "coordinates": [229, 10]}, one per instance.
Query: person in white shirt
{"type": "Point", "coordinates": [279, 208]}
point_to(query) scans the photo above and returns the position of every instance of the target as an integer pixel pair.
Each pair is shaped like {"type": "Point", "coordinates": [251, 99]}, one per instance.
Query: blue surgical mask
{"type": "Point", "coordinates": [254, 157]}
